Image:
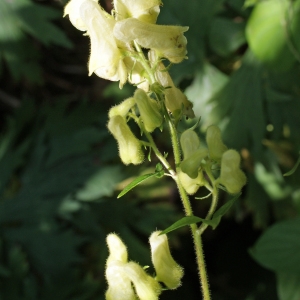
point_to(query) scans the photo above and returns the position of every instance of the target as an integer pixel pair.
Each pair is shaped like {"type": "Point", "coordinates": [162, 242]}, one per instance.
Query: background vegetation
{"type": "Point", "coordinates": [60, 172]}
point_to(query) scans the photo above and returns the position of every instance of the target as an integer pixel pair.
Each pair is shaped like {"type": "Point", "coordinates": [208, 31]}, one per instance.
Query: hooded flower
{"type": "Point", "coordinates": [130, 148]}
{"type": "Point", "coordinates": [146, 11]}
{"type": "Point", "coordinates": [121, 274]}
{"type": "Point", "coordinates": [168, 41]}
{"type": "Point", "coordinates": [106, 59]}
{"type": "Point", "coordinates": [167, 270]}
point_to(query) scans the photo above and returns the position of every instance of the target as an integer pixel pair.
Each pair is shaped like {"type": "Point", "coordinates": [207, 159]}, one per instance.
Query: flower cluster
{"type": "Point", "coordinates": [113, 55]}
{"type": "Point", "coordinates": [198, 159]}
{"type": "Point", "coordinates": [129, 281]}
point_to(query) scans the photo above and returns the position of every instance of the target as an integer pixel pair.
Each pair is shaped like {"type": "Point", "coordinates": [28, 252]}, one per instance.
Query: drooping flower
{"type": "Point", "coordinates": [146, 287]}
{"type": "Point", "coordinates": [122, 275]}
{"type": "Point", "coordinates": [130, 148]}
{"type": "Point", "coordinates": [168, 41]}
{"type": "Point", "coordinates": [106, 59]}
{"type": "Point", "coordinates": [166, 268]}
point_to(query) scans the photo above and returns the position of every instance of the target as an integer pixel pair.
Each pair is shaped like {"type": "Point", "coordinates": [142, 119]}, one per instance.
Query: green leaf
{"type": "Point", "coordinates": [226, 36]}
{"type": "Point", "coordinates": [100, 184]}
{"type": "Point", "coordinates": [240, 105]}
{"type": "Point", "coordinates": [135, 182]}
{"type": "Point", "coordinates": [183, 222]}
{"type": "Point", "coordinates": [278, 248]}
{"type": "Point", "coordinates": [222, 211]}
{"type": "Point", "coordinates": [207, 82]}
{"type": "Point", "coordinates": [214, 222]}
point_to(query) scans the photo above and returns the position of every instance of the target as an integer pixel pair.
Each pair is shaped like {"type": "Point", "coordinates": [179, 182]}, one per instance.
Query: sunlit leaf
{"type": "Point", "coordinates": [136, 182]}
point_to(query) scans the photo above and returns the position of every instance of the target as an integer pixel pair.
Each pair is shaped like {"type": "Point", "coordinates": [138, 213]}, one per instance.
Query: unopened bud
{"type": "Point", "coordinates": [191, 165]}
{"type": "Point", "coordinates": [189, 142]}
{"type": "Point", "coordinates": [123, 108]}
{"type": "Point", "coordinates": [146, 287]}
{"type": "Point", "coordinates": [214, 142]}
{"type": "Point", "coordinates": [167, 270]}
{"type": "Point", "coordinates": [232, 177]}
{"type": "Point", "coordinates": [149, 110]}
{"type": "Point", "coordinates": [130, 148]}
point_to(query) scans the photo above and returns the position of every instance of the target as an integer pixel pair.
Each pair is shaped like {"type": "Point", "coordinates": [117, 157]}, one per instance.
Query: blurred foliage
{"type": "Point", "coordinates": [59, 168]}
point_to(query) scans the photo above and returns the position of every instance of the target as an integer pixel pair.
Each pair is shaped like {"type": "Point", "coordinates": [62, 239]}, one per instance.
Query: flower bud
{"type": "Point", "coordinates": [175, 100]}
{"type": "Point", "coordinates": [119, 284]}
{"type": "Point", "coordinates": [232, 177]}
{"type": "Point", "coordinates": [122, 109]}
{"type": "Point", "coordinates": [146, 11]}
{"type": "Point", "coordinates": [117, 249]}
{"type": "Point", "coordinates": [167, 40]}
{"type": "Point", "coordinates": [167, 270]}
{"type": "Point", "coordinates": [189, 142]}
{"type": "Point", "coordinates": [191, 164]}
{"type": "Point", "coordinates": [149, 110]}
{"type": "Point", "coordinates": [191, 185]}
{"type": "Point", "coordinates": [146, 287]}
{"type": "Point", "coordinates": [130, 148]}
{"type": "Point", "coordinates": [214, 142]}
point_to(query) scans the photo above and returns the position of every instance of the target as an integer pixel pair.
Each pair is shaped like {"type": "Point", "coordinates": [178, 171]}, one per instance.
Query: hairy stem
{"type": "Point", "coordinates": [183, 195]}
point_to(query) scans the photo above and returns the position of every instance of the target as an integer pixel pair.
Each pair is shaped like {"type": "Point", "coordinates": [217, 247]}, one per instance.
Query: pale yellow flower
{"type": "Point", "coordinates": [119, 284]}
{"type": "Point", "coordinates": [167, 270]}
{"type": "Point", "coordinates": [169, 41]}
{"type": "Point", "coordinates": [144, 10]}
{"type": "Point", "coordinates": [106, 59]}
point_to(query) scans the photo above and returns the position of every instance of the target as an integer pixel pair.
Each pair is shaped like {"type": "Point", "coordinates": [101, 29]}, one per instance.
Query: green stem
{"type": "Point", "coordinates": [197, 244]}
{"type": "Point", "coordinates": [214, 202]}
{"type": "Point", "coordinates": [184, 197]}
{"type": "Point", "coordinates": [188, 212]}
{"type": "Point", "coordinates": [159, 154]}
